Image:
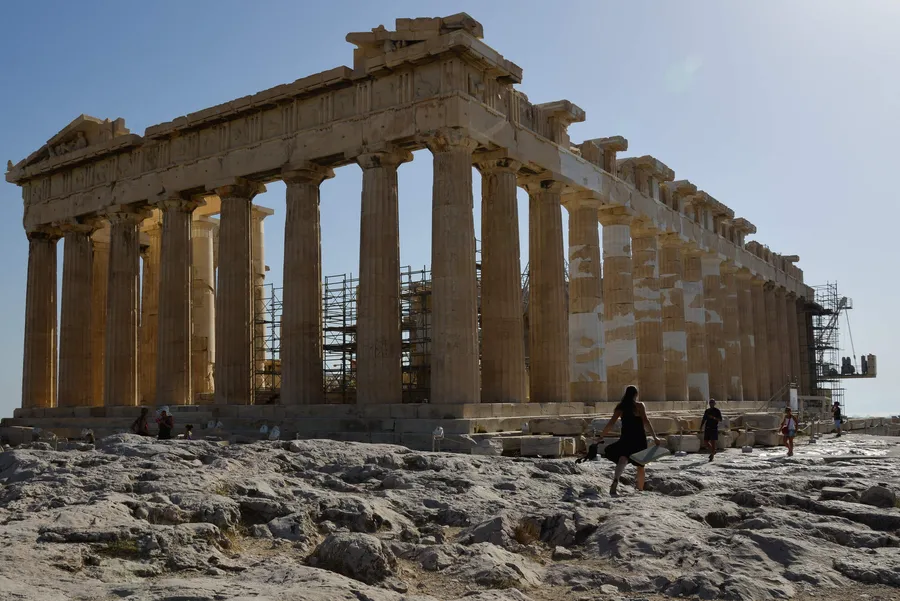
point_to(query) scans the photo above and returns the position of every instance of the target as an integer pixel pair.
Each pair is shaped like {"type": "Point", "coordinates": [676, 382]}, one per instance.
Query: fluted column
{"type": "Point", "coordinates": [75, 323]}
{"type": "Point", "coordinates": [793, 338]}
{"type": "Point", "coordinates": [99, 282]}
{"type": "Point", "coordinates": [149, 327]}
{"type": "Point", "coordinates": [257, 293]}
{"type": "Point", "coordinates": [803, 345]}
{"type": "Point", "coordinates": [749, 380]}
{"type": "Point", "coordinates": [648, 313]}
{"type": "Point", "coordinates": [39, 360]}
{"type": "Point", "coordinates": [774, 300]}
{"type": "Point", "coordinates": [587, 368]}
{"type": "Point", "coordinates": [454, 329]}
{"type": "Point", "coordinates": [548, 375]}
{"type": "Point", "coordinates": [784, 342]}
{"type": "Point", "coordinates": [121, 356]}
{"type": "Point", "coordinates": [671, 287]}
{"type": "Point", "coordinates": [502, 341]}
{"type": "Point", "coordinates": [761, 338]}
{"type": "Point", "coordinates": [695, 326]}
{"type": "Point", "coordinates": [378, 335]}
{"type": "Point", "coordinates": [234, 313]}
{"type": "Point", "coordinates": [301, 318]}
{"type": "Point", "coordinates": [203, 305]}
{"type": "Point", "coordinates": [618, 304]}
{"type": "Point", "coordinates": [173, 372]}
{"type": "Point", "coordinates": [731, 333]}
{"type": "Point", "coordinates": [713, 305]}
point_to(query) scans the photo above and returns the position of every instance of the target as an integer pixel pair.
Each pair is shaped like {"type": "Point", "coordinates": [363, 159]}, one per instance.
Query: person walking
{"type": "Point", "coordinates": [836, 412]}
{"type": "Point", "coordinates": [632, 439]}
{"type": "Point", "coordinates": [710, 426]}
{"type": "Point", "coordinates": [789, 430]}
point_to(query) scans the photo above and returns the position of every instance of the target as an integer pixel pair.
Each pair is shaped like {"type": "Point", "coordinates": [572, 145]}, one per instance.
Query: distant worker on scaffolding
{"type": "Point", "coordinates": [865, 365]}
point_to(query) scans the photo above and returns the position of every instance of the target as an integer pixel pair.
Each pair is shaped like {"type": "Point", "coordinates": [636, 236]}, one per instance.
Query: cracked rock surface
{"type": "Point", "coordinates": [142, 520]}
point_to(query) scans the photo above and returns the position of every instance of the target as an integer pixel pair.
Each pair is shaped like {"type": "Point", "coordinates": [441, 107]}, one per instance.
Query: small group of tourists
{"type": "Point", "coordinates": [165, 425]}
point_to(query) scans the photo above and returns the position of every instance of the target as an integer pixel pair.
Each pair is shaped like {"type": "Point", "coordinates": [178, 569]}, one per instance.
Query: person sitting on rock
{"type": "Point", "coordinates": [710, 426]}
{"type": "Point", "coordinates": [789, 430]}
{"type": "Point", "coordinates": [166, 425]}
{"type": "Point", "coordinates": [633, 437]}
{"type": "Point", "coordinates": [189, 432]}
{"type": "Point", "coordinates": [140, 425]}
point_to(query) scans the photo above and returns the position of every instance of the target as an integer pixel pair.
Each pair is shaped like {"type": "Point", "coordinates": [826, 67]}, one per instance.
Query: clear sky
{"type": "Point", "coordinates": [788, 112]}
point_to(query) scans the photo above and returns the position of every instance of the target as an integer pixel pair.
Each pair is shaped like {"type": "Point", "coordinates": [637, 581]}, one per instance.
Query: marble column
{"type": "Point", "coordinates": [749, 380]}
{"type": "Point", "coordinates": [378, 334]}
{"type": "Point", "coordinates": [774, 299]}
{"type": "Point", "coordinates": [784, 341]}
{"type": "Point", "coordinates": [648, 315]}
{"type": "Point", "coordinates": [618, 304]}
{"type": "Point", "coordinates": [761, 338]}
{"type": "Point", "coordinates": [121, 356]}
{"type": "Point", "coordinates": [39, 360]}
{"type": "Point", "coordinates": [502, 342]}
{"type": "Point", "coordinates": [794, 339]}
{"type": "Point", "coordinates": [714, 308]}
{"type": "Point", "coordinates": [99, 284]}
{"type": "Point", "coordinates": [173, 372]}
{"type": "Point", "coordinates": [803, 347]}
{"type": "Point", "coordinates": [695, 326]}
{"type": "Point", "coordinates": [257, 294]}
{"type": "Point", "coordinates": [548, 376]}
{"type": "Point", "coordinates": [671, 287]}
{"type": "Point", "coordinates": [454, 329]}
{"type": "Point", "coordinates": [75, 323]}
{"type": "Point", "coordinates": [203, 307]}
{"type": "Point", "coordinates": [732, 332]}
{"type": "Point", "coordinates": [587, 383]}
{"type": "Point", "coordinates": [301, 297]}
{"type": "Point", "coordinates": [149, 328]}
{"type": "Point", "coordinates": [234, 313]}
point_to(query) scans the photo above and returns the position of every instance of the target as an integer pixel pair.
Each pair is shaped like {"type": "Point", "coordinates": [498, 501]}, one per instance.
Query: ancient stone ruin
{"type": "Point", "coordinates": [686, 308]}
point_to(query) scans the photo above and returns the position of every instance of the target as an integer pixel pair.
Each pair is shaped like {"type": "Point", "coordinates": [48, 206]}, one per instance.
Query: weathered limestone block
{"type": "Point", "coordinates": [683, 442]}
{"type": "Point", "coordinates": [689, 424]}
{"type": "Point", "coordinates": [745, 439]}
{"type": "Point", "coordinates": [544, 446]}
{"type": "Point", "coordinates": [767, 439]}
{"type": "Point", "coordinates": [491, 447]}
{"type": "Point", "coordinates": [726, 441]}
{"type": "Point", "coordinates": [664, 425]}
{"type": "Point", "coordinates": [568, 446]}
{"type": "Point", "coordinates": [762, 421]}
{"type": "Point", "coordinates": [559, 426]}
{"type": "Point", "coordinates": [599, 423]}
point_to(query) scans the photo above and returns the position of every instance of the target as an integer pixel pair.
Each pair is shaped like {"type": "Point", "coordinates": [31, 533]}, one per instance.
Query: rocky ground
{"type": "Point", "coordinates": [142, 520]}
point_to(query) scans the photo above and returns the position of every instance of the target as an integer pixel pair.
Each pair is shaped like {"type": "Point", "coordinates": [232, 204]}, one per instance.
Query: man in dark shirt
{"type": "Point", "coordinates": [710, 427]}
{"type": "Point", "coordinates": [836, 411]}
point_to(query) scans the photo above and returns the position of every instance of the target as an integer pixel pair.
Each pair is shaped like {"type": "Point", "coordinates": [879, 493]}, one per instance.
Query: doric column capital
{"type": "Point", "coordinates": [672, 240]}
{"type": "Point", "coordinates": [451, 138]}
{"type": "Point", "coordinates": [44, 232]}
{"type": "Point", "coordinates": [644, 228]}
{"type": "Point", "coordinates": [729, 267]}
{"type": "Point", "coordinates": [537, 184]}
{"type": "Point", "coordinates": [385, 158]}
{"type": "Point", "coordinates": [494, 165]}
{"type": "Point", "coordinates": [177, 202]}
{"type": "Point", "coordinates": [744, 274]}
{"type": "Point", "coordinates": [86, 227]}
{"type": "Point", "coordinates": [615, 216]}
{"type": "Point", "coordinates": [238, 188]}
{"type": "Point", "coordinates": [306, 173]}
{"type": "Point", "coordinates": [126, 214]}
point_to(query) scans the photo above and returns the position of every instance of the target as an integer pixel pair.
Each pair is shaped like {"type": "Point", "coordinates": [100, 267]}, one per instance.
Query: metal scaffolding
{"type": "Point", "coordinates": [826, 348]}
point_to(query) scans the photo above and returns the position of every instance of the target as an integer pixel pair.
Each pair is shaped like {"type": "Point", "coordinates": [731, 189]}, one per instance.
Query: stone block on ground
{"type": "Point", "coordinates": [664, 425]}
{"type": "Point", "coordinates": [16, 435]}
{"type": "Point", "coordinates": [597, 425]}
{"type": "Point", "coordinates": [725, 441]}
{"type": "Point", "coordinates": [762, 421]}
{"type": "Point", "coordinates": [745, 439]}
{"type": "Point", "coordinates": [568, 446]}
{"type": "Point", "coordinates": [491, 447]}
{"type": "Point", "coordinates": [559, 426]}
{"type": "Point", "coordinates": [689, 424]}
{"type": "Point", "coordinates": [544, 446]}
{"type": "Point", "coordinates": [683, 442]}
{"type": "Point", "coordinates": [767, 439]}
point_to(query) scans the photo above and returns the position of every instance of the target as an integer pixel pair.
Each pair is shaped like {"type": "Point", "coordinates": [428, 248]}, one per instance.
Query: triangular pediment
{"type": "Point", "coordinates": [83, 132]}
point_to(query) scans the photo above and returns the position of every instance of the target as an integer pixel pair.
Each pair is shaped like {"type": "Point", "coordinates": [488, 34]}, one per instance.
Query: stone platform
{"type": "Point", "coordinates": [410, 425]}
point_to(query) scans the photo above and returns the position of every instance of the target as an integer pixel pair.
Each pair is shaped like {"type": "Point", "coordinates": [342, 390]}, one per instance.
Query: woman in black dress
{"type": "Point", "coordinates": [632, 439]}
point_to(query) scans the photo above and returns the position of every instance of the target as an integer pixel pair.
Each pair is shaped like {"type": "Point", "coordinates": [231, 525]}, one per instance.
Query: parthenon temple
{"type": "Point", "coordinates": [163, 254]}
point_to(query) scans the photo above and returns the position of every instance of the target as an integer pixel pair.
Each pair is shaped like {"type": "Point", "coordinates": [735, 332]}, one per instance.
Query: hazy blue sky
{"type": "Point", "coordinates": [786, 111]}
